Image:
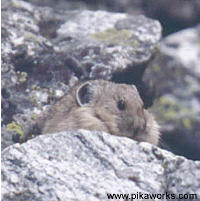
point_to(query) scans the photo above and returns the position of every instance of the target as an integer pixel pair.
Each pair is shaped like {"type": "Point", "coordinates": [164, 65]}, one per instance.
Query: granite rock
{"type": "Point", "coordinates": [176, 75]}
{"type": "Point", "coordinates": [174, 15]}
{"type": "Point", "coordinates": [84, 165]}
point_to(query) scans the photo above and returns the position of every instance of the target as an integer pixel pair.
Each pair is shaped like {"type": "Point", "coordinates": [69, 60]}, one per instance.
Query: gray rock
{"type": "Point", "coordinates": [126, 6]}
{"type": "Point", "coordinates": [84, 165]}
{"type": "Point", "coordinates": [6, 137]}
{"type": "Point", "coordinates": [46, 52]}
{"type": "Point", "coordinates": [176, 75]}
{"type": "Point", "coordinates": [63, 4]}
{"type": "Point", "coordinates": [174, 15]}
{"type": "Point", "coordinates": [118, 41]}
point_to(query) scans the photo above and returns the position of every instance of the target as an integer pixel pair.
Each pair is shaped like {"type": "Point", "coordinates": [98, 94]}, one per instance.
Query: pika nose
{"type": "Point", "coordinates": [140, 130]}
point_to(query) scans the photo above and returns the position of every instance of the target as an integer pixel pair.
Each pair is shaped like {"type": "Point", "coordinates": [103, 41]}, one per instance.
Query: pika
{"type": "Point", "coordinates": [103, 106]}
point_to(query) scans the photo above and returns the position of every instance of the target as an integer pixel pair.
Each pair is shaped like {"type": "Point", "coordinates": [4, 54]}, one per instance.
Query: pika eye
{"type": "Point", "coordinates": [121, 105]}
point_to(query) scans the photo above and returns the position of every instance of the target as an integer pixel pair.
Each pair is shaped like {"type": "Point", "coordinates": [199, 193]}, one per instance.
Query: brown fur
{"type": "Point", "coordinates": [102, 113]}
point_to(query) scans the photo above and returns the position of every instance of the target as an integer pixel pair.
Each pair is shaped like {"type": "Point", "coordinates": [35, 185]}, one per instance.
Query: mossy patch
{"type": "Point", "coordinates": [156, 68]}
{"type": "Point", "coordinates": [22, 76]}
{"type": "Point", "coordinates": [169, 110]}
{"type": "Point", "coordinates": [157, 48]}
{"type": "Point", "coordinates": [35, 87]}
{"type": "Point", "coordinates": [14, 127]}
{"type": "Point", "coordinates": [187, 123]}
{"type": "Point", "coordinates": [34, 116]}
{"type": "Point", "coordinates": [15, 4]}
{"type": "Point", "coordinates": [120, 37]}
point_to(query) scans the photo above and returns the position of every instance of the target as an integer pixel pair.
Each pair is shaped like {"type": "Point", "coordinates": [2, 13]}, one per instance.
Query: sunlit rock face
{"type": "Point", "coordinates": [84, 165]}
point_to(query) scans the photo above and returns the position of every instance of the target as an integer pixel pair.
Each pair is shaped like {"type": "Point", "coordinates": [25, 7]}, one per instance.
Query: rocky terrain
{"type": "Point", "coordinates": [39, 65]}
{"type": "Point", "coordinates": [164, 10]}
{"type": "Point", "coordinates": [47, 48]}
{"type": "Point", "coordinates": [175, 74]}
{"type": "Point", "coordinates": [85, 165]}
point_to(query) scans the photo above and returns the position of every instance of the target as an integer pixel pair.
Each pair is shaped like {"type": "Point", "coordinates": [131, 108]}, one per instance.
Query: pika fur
{"type": "Point", "coordinates": [103, 106]}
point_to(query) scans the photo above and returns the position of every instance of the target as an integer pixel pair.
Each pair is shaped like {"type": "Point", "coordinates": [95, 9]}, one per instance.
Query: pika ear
{"type": "Point", "coordinates": [84, 94]}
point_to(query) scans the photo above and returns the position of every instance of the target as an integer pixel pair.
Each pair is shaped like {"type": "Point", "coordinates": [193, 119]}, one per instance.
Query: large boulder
{"type": "Point", "coordinates": [83, 165]}
{"type": "Point", "coordinates": [174, 15]}
{"type": "Point", "coordinates": [175, 74]}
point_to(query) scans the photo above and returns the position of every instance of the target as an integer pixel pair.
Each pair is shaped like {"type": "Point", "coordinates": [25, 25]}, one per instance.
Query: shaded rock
{"type": "Point", "coordinates": [63, 4]}
{"type": "Point", "coordinates": [29, 76]}
{"type": "Point", "coordinates": [6, 137]}
{"type": "Point", "coordinates": [46, 52]}
{"type": "Point", "coordinates": [173, 14]}
{"type": "Point", "coordinates": [83, 165]}
{"type": "Point", "coordinates": [126, 6]}
{"type": "Point", "coordinates": [176, 75]}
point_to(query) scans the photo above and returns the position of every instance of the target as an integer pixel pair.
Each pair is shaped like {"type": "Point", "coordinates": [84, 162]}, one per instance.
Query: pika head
{"type": "Point", "coordinates": [104, 106]}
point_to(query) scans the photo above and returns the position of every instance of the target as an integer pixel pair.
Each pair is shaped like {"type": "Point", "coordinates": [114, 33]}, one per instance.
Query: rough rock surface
{"type": "Point", "coordinates": [45, 52]}
{"type": "Point", "coordinates": [173, 14]}
{"type": "Point", "coordinates": [176, 75]}
{"type": "Point", "coordinates": [83, 165]}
